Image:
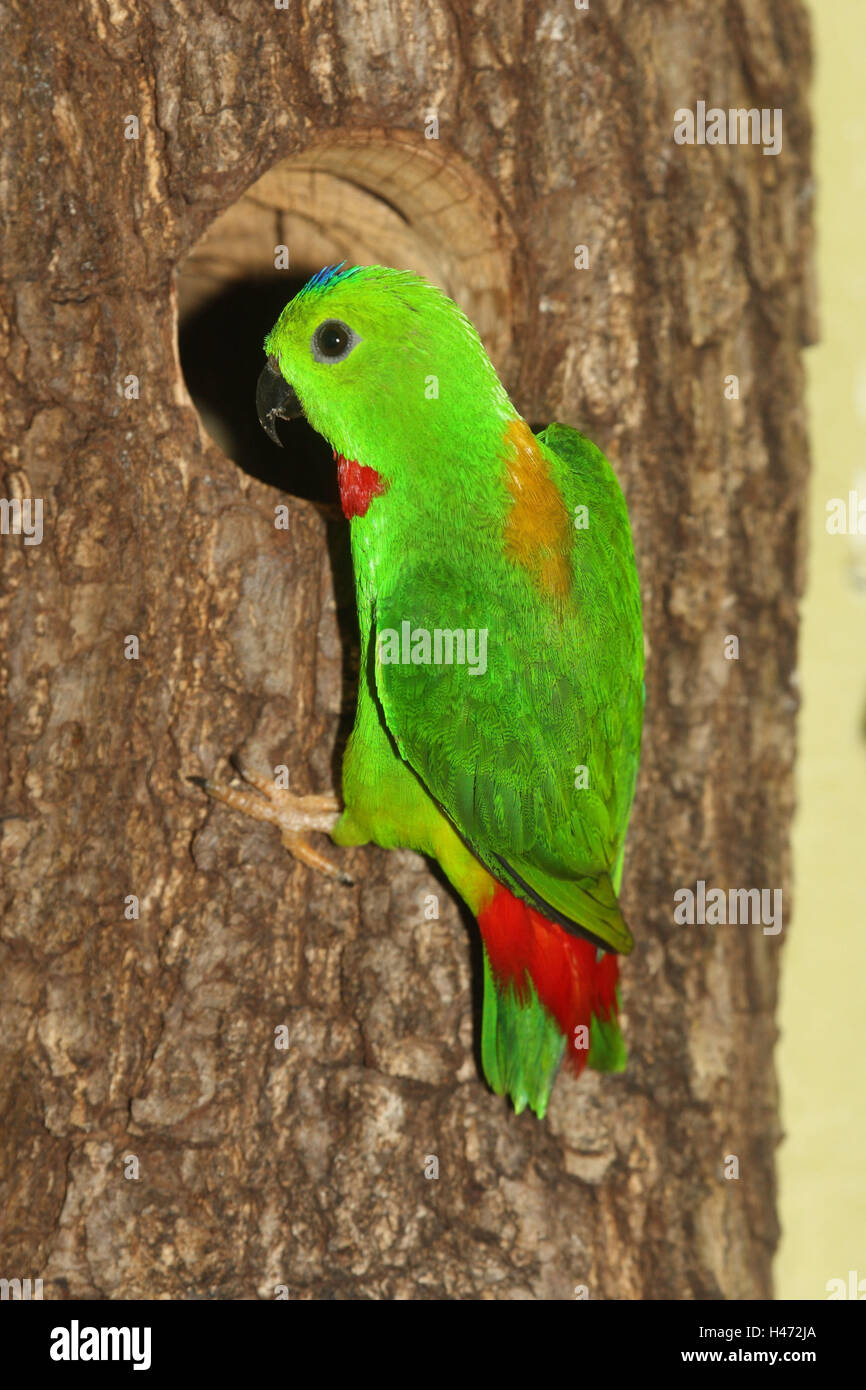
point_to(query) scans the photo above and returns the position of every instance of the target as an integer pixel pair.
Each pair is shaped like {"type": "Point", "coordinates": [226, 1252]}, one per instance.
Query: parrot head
{"type": "Point", "coordinates": [369, 355]}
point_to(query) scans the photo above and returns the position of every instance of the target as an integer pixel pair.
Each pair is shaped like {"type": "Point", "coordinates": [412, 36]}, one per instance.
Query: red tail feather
{"type": "Point", "coordinates": [568, 979]}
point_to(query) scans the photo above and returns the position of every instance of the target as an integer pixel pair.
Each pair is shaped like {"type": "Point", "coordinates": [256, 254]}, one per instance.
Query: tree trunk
{"type": "Point", "coordinates": [158, 1139]}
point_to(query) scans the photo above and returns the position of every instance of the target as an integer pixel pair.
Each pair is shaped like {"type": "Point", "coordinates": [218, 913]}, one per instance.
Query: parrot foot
{"type": "Point", "coordinates": [292, 815]}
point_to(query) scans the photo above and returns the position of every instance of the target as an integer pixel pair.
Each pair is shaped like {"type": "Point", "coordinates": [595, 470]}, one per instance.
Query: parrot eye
{"type": "Point", "coordinates": [332, 341]}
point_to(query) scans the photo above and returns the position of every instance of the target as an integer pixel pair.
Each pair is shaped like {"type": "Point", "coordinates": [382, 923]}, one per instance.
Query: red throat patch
{"type": "Point", "coordinates": [358, 486]}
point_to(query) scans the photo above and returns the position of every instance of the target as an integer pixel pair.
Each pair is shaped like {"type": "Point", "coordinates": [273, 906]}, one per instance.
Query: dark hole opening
{"type": "Point", "coordinates": [221, 356]}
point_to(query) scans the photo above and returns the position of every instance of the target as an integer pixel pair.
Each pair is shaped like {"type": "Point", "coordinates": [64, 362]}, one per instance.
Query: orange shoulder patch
{"type": "Point", "coordinates": [538, 533]}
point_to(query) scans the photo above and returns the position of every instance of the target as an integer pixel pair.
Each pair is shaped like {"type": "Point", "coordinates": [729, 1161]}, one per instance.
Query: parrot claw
{"type": "Point", "coordinates": [292, 815]}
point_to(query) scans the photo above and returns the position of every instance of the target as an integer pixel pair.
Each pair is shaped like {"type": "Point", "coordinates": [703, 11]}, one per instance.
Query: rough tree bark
{"type": "Point", "coordinates": [154, 1038]}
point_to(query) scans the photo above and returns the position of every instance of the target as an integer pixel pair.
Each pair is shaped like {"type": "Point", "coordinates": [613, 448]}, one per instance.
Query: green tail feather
{"type": "Point", "coordinates": [607, 1049]}
{"type": "Point", "coordinates": [522, 1046]}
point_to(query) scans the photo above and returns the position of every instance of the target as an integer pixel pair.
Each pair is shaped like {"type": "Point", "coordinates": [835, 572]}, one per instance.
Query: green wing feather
{"type": "Point", "coordinates": [499, 751]}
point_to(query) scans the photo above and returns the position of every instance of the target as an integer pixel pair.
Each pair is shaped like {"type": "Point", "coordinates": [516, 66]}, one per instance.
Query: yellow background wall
{"type": "Point", "coordinates": [822, 1053]}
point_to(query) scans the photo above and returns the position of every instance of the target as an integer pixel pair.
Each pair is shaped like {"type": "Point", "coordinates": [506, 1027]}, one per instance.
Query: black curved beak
{"type": "Point", "coordinates": [275, 399]}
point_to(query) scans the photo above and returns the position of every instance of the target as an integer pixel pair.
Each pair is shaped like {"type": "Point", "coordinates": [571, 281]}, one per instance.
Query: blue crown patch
{"type": "Point", "coordinates": [329, 275]}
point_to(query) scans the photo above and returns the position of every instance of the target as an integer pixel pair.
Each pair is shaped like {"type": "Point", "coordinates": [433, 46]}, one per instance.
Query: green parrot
{"type": "Point", "coordinates": [501, 682]}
